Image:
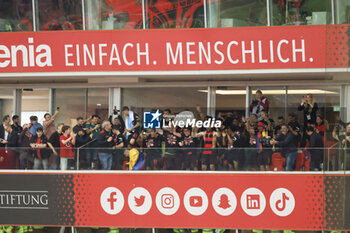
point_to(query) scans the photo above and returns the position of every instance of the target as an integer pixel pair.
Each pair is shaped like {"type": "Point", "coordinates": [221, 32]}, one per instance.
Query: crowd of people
{"type": "Point", "coordinates": [241, 143]}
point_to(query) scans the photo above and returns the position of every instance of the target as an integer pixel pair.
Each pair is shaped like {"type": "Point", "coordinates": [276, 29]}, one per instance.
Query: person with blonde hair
{"type": "Point", "coordinates": [310, 108]}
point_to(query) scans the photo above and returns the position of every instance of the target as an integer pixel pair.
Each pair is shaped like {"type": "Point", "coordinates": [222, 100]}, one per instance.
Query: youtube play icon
{"type": "Point", "coordinates": [196, 201]}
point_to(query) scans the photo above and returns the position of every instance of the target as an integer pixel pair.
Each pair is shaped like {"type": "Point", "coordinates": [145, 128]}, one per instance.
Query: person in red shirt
{"type": "Point", "coordinates": [40, 150]}
{"type": "Point", "coordinates": [67, 141]}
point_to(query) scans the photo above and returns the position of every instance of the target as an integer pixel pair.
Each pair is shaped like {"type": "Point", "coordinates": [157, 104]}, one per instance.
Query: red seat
{"type": "Point", "coordinates": [7, 159]}
{"type": "Point", "coordinates": [278, 162]}
{"type": "Point", "coordinates": [303, 161]}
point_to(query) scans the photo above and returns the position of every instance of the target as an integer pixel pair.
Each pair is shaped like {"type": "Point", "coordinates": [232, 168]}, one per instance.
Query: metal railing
{"type": "Point", "coordinates": [78, 152]}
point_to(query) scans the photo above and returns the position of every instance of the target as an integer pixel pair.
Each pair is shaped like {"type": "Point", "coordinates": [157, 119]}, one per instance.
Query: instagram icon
{"type": "Point", "coordinates": [167, 201]}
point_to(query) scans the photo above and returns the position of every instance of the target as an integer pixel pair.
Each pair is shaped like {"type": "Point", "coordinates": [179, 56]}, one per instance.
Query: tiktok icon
{"type": "Point", "coordinates": [282, 202]}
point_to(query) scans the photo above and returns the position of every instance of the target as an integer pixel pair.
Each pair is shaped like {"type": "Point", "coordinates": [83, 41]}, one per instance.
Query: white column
{"type": "Point", "coordinates": [52, 101]}
{"type": "Point", "coordinates": [83, 14]}
{"type": "Point", "coordinates": [248, 94]}
{"type": "Point", "coordinates": [211, 101]}
{"type": "Point", "coordinates": [268, 12]}
{"type": "Point", "coordinates": [115, 99]}
{"type": "Point", "coordinates": [212, 14]}
{"type": "Point", "coordinates": [205, 4]}
{"type": "Point", "coordinates": [345, 103]}
{"type": "Point", "coordinates": [17, 102]}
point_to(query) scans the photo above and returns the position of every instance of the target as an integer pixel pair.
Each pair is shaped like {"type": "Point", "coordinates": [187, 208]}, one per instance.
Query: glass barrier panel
{"type": "Point", "coordinates": [255, 158]}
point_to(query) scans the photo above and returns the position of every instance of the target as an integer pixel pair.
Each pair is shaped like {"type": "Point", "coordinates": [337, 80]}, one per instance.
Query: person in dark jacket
{"type": "Point", "coordinates": [310, 108]}
{"type": "Point", "coordinates": [3, 133]}
{"type": "Point", "coordinates": [16, 124]}
{"type": "Point", "coordinates": [315, 149]}
{"type": "Point", "coordinates": [117, 120]}
{"type": "Point", "coordinates": [119, 145]}
{"type": "Point", "coordinates": [85, 157]}
{"type": "Point", "coordinates": [105, 141]}
{"type": "Point", "coordinates": [12, 139]}
{"type": "Point", "coordinates": [288, 144]}
{"type": "Point", "coordinates": [54, 144]}
{"type": "Point", "coordinates": [40, 151]}
{"type": "Point", "coordinates": [26, 159]}
{"type": "Point", "coordinates": [12, 145]}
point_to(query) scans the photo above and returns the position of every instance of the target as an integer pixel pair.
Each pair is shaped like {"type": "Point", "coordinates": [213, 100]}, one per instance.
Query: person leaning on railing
{"type": "Point", "coordinates": [82, 139]}
{"type": "Point", "coordinates": [288, 143]}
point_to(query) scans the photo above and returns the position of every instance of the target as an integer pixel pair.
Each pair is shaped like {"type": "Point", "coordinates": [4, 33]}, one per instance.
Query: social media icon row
{"type": "Point", "coordinates": [196, 202]}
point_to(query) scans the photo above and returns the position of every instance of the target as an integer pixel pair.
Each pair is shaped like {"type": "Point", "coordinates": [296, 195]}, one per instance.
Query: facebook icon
{"type": "Point", "coordinates": [151, 120]}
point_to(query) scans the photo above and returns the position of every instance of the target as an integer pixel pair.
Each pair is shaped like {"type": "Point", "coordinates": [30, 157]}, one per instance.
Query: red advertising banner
{"type": "Point", "coordinates": [174, 50]}
{"type": "Point", "coordinates": [226, 201]}
{"type": "Point", "coordinates": [214, 200]}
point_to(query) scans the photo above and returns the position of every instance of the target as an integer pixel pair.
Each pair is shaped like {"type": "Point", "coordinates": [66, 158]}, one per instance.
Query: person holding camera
{"type": "Point", "coordinates": [106, 143]}
{"type": "Point", "coordinates": [116, 119]}
{"type": "Point", "coordinates": [258, 104]}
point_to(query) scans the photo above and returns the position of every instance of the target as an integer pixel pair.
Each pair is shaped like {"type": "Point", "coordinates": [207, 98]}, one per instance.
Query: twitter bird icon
{"type": "Point", "coordinates": [139, 200]}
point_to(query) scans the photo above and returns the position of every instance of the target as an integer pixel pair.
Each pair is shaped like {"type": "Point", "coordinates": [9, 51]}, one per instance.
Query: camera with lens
{"type": "Point", "coordinates": [115, 111]}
